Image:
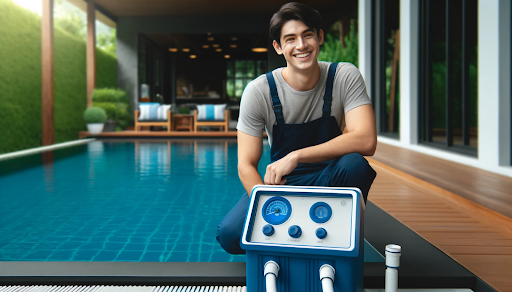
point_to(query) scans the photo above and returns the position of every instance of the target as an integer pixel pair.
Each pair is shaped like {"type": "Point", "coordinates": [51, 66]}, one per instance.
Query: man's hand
{"type": "Point", "coordinates": [280, 168]}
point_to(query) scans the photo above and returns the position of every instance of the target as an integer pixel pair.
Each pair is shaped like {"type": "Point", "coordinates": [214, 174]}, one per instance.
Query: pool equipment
{"type": "Point", "coordinates": [393, 253]}
{"type": "Point", "coordinates": [304, 239]}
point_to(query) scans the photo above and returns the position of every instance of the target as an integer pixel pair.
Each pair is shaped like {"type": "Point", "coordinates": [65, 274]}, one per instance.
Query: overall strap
{"type": "Point", "coordinates": [276, 103]}
{"type": "Point", "coordinates": [326, 109]}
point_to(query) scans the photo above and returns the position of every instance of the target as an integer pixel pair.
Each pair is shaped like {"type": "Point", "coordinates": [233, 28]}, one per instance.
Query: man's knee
{"type": "Point", "coordinates": [353, 170]}
{"type": "Point", "coordinates": [356, 164]}
{"type": "Point", "coordinates": [230, 228]}
{"type": "Point", "coordinates": [228, 236]}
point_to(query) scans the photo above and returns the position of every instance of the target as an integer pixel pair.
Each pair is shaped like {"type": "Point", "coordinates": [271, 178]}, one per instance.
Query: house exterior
{"type": "Point", "coordinates": [476, 133]}
{"type": "Point", "coordinates": [451, 65]}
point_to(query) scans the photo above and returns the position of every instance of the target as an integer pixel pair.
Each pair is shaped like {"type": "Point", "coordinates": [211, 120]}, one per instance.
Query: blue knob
{"type": "Point", "coordinates": [321, 233]}
{"type": "Point", "coordinates": [295, 231]}
{"type": "Point", "coordinates": [268, 230]}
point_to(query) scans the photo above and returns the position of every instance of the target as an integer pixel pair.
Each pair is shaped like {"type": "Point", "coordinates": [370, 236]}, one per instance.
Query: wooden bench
{"type": "Point", "coordinates": [140, 124]}
{"type": "Point", "coordinates": [203, 123]}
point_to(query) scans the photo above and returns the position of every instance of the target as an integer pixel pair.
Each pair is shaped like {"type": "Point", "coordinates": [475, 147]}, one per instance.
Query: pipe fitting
{"type": "Point", "coordinates": [271, 267]}
{"type": "Point", "coordinates": [393, 253]}
{"type": "Point", "coordinates": [270, 272]}
{"type": "Point", "coordinates": [327, 278]}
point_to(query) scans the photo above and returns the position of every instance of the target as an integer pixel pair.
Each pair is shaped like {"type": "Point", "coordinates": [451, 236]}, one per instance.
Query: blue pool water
{"type": "Point", "coordinates": [120, 201]}
{"type": "Point", "coordinates": [151, 201]}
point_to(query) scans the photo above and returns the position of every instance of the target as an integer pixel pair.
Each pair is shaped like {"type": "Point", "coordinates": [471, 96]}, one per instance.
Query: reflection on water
{"type": "Point", "coordinates": [48, 160]}
{"type": "Point", "coordinates": [209, 158]}
{"type": "Point", "coordinates": [153, 157]}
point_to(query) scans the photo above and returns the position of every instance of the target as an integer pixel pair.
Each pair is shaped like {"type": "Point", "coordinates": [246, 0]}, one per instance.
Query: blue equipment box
{"type": "Point", "coordinates": [301, 229]}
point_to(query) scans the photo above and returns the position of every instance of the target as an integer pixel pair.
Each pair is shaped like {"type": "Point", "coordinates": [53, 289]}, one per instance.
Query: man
{"type": "Point", "coordinates": [303, 107]}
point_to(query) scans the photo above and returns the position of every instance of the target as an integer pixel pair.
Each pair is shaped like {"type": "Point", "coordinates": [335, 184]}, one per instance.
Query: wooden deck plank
{"type": "Point", "coordinates": [478, 250]}
{"type": "Point", "coordinates": [488, 189]}
{"type": "Point", "coordinates": [471, 234]}
{"type": "Point", "coordinates": [475, 242]}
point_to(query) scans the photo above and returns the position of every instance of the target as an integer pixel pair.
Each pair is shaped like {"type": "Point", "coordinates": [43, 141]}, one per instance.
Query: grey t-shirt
{"type": "Point", "coordinates": [257, 115]}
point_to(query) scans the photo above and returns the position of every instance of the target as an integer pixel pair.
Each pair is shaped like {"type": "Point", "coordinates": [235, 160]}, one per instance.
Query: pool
{"type": "Point", "coordinates": [142, 201]}
{"type": "Point", "coordinates": [120, 201]}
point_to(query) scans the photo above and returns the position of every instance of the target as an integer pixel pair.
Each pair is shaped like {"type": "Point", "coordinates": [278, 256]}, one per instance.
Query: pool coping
{"type": "Point", "coordinates": [42, 149]}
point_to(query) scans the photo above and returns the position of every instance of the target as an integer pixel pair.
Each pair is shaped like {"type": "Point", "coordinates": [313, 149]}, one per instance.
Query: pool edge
{"type": "Point", "coordinates": [41, 149]}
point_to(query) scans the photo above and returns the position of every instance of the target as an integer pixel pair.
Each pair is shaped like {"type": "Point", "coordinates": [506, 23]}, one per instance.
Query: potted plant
{"type": "Point", "coordinates": [95, 118]}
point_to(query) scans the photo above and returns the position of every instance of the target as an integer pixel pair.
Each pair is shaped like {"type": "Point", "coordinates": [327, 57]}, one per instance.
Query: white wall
{"type": "Point", "coordinates": [365, 37]}
{"type": "Point", "coordinates": [409, 25]}
{"type": "Point", "coordinates": [494, 84]}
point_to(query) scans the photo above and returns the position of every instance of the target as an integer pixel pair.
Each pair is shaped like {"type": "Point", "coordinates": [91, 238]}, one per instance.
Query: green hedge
{"type": "Point", "coordinates": [20, 80]}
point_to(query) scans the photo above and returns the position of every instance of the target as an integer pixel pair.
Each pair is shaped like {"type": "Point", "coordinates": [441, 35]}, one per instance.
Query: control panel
{"type": "Point", "coordinates": [306, 218]}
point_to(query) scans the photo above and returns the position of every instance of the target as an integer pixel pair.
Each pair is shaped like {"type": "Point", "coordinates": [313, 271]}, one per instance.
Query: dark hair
{"type": "Point", "coordinates": [294, 11]}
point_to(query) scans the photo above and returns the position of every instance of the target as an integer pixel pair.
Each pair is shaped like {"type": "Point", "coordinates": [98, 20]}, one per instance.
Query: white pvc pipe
{"type": "Point", "coordinates": [271, 272]}
{"type": "Point", "coordinates": [327, 278]}
{"type": "Point", "coordinates": [393, 253]}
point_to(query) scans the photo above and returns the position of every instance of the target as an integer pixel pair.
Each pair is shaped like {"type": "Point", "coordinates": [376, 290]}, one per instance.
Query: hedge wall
{"type": "Point", "coordinates": [20, 80]}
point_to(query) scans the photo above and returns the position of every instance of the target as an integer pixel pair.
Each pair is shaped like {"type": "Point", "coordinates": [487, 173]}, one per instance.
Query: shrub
{"type": "Point", "coordinates": [95, 115]}
{"type": "Point", "coordinates": [184, 110]}
{"type": "Point", "coordinates": [20, 79]}
{"type": "Point", "coordinates": [115, 103]}
{"type": "Point", "coordinates": [109, 95]}
{"type": "Point", "coordinates": [333, 51]}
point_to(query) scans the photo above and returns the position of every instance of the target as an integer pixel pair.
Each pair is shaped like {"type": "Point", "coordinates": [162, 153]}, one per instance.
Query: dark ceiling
{"type": "Point", "coordinates": [122, 8]}
{"type": "Point", "coordinates": [208, 45]}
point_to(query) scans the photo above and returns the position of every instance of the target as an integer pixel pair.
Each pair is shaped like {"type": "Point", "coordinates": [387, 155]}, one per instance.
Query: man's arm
{"type": "Point", "coordinates": [361, 137]}
{"type": "Point", "coordinates": [249, 154]}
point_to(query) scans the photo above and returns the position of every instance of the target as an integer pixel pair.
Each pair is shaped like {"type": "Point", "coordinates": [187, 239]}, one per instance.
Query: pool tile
{"type": "Point", "coordinates": [135, 247]}
{"type": "Point", "coordinates": [85, 255]}
{"type": "Point", "coordinates": [129, 256]}
{"type": "Point", "coordinates": [152, 257]}
{"type": "Point", "coordinates": [106, 256]}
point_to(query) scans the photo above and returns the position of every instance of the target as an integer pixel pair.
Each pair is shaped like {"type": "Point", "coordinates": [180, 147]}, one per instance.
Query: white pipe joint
{"type": "Point", "coordinates": [327, 278]}
{"type": "Point", "coordinates": [393, 253]}
{"type": "Point", "coordinates": [271, 271]}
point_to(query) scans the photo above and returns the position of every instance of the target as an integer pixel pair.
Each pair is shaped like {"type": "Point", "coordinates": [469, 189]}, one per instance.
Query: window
{"type": "Point", "coordinates": [240, 73]}
{"type": "Point", "coordinates": [448, 75]}
{"type": "Point", "coordinates": [386, 97]}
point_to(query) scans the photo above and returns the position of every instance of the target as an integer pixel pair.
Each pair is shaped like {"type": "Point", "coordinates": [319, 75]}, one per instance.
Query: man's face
{"type": "Point", "coordinates": [299, 44]}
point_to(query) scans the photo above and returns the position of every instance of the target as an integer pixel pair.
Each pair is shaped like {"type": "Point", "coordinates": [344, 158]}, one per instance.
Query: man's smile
{"type": "Point", "coordinates": [302, 55]}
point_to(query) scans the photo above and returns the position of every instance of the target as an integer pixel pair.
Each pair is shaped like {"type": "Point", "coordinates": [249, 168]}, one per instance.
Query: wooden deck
{"type": "Point", "coordinates": [431, 200]}
{"type": "Point", "coordinates": [160, 134]}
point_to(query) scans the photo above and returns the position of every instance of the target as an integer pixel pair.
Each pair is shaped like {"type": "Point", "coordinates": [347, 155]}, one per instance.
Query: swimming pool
{"type": "Point", "coordinates": [120, 201]}
{"type": "Point", "coordinates": [142, 201]}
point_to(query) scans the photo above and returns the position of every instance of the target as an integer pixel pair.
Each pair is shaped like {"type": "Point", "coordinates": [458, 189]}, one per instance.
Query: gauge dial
{"type": "Point", "coordinates": [320, 212]}
{"type": "Point", "coordinates": [276, 210]}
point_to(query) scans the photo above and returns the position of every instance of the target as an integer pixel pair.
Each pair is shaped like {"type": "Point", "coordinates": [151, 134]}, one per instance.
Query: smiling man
{"type": "Point", "coordinates": [304, 108]}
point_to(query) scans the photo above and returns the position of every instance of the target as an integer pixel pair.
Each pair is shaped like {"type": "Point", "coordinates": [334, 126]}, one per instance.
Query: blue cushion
{"type": "Point", "coordinates": [148, 111]}
{"type": "Point", "coordinates": [210, 112]}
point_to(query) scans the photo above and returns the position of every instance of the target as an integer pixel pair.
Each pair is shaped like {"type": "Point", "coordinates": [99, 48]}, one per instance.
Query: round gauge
{"type": "Point", "coordinates": [320, 212]}
{"type": "Point", "coordinates": [276, 210]}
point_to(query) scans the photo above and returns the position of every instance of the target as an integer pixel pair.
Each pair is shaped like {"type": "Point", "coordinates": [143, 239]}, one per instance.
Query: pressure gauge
{"type": "Point", "coordinates": [320, 212]}
{"type": "Point", "coordinates": [276, 210]}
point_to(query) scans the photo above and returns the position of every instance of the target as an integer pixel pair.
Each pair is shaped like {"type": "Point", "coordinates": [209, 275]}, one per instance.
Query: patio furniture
{"type": "Point", "coordinates": [183, 122]}
{"type": "Point", "coordinates": [154, 115]}
{"type": "Point", "coordinates": [209, 116]}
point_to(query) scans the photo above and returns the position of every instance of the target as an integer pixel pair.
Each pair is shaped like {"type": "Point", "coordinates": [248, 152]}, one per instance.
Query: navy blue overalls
{"type": "Point", "coordinates": [351, 170]}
